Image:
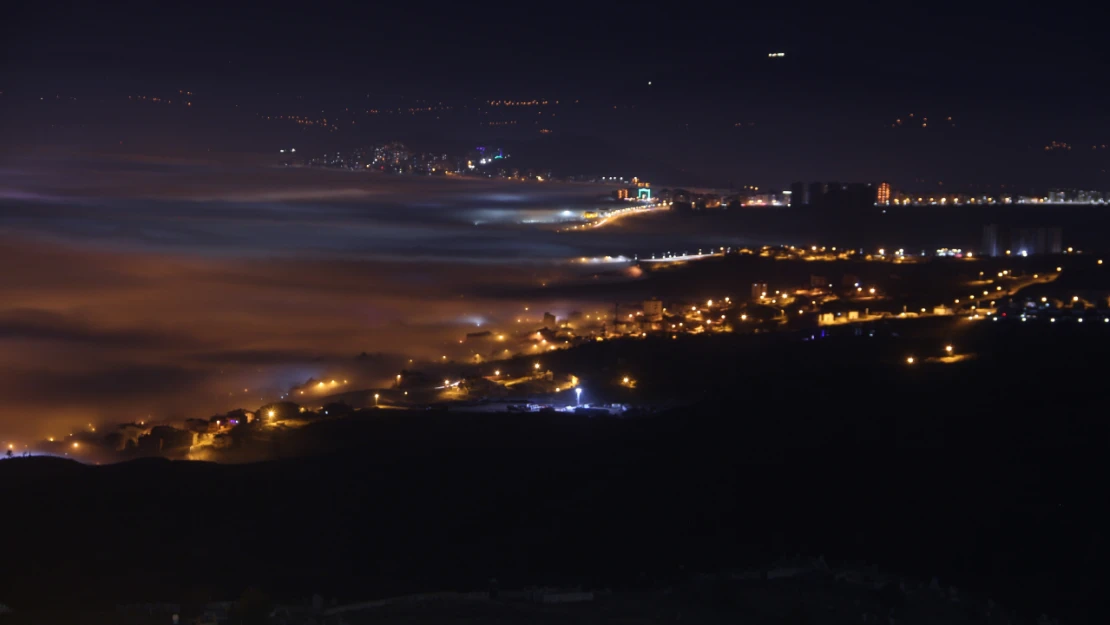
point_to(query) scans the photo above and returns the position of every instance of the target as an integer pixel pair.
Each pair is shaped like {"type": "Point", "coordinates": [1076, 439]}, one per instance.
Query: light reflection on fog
{"type": "Point", "coordinates": [179, 290]}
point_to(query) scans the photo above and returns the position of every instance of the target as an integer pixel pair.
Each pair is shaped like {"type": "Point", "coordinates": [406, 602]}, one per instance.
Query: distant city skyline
{"type": "Point", "coordinates": [898, 104]}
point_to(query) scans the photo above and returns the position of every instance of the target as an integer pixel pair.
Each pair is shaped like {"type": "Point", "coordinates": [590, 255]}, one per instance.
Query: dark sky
{"type": "Point", "coordinates": [1013, 80]}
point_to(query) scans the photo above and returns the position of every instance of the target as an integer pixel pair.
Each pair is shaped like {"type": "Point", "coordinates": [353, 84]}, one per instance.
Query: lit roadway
{"type": "Point", "coordinates": [993, 292]}
{"type": "Point", "coordinates": [615, 214]}
{"type": "Point", "coordinates": [679, 259]}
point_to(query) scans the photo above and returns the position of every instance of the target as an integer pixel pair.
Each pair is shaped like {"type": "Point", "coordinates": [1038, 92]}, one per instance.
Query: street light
{"type": "Point", "coordinates": [271, 414]}
{"type": "Point", "coordinates": [948, 348]}
{"type": "Point", "coordinates": [375, 399]}
{"type": "Point", "coordinates": [909, 360]}
{"type": "Point", "coordinates": [578, 395]}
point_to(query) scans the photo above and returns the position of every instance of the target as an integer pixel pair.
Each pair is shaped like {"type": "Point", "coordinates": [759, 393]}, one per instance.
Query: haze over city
{"type": "Point", "coordinates": [351, 313]}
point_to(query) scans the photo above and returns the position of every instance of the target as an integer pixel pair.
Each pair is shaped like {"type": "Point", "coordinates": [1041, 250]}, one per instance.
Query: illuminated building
{"type": "Point", "coordinates": [549, 321]}
{"type": "Point", "coordinates": [759, 291]}
{"type": "Point", "coordinates": [707, 200]}
{"type": "Point", "coordinates": [883, 194]}
{"type": "Point", "coordinates": [653, 309]}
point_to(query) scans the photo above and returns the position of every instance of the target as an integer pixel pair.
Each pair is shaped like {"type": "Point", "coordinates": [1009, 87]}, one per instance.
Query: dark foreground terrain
{"type": "Point", "coordinates": [987, 474]}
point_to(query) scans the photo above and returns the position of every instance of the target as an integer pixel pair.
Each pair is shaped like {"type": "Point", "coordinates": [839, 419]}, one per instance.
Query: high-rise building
{"type": "Point", "coordinates": [1055, 241]}
{"type": "Point", "coordinates": [833, 199]}
{"type": "Point", "coordinates": [798, 194]}
{"type": "Point", "coordinates": [990, 240]}
{"type": "Point", "coordinates": [816, 195]}
{"type": "Point", "coordinates": [759, 291]}
{"type": "Point", "coordinates": [1021, 241]}
{"type": "Point", "coordinates": [859, 196]}
{"type": "Point", "coordinates": [883, 195]}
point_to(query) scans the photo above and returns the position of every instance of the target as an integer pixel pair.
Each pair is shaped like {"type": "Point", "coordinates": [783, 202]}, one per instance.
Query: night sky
{"type": "Point", "coordinates": [718, 110]}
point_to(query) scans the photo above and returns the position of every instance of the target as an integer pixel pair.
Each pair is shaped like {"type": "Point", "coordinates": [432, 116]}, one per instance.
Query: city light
{"type": "Point", "coordinates": [271, 414]}
{"type": "Point", "coordinates": [909, 360]}
{"type": "Point", "coordinates": [948, 348]}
